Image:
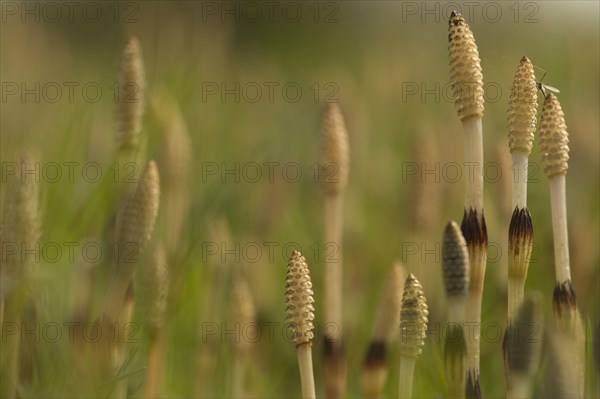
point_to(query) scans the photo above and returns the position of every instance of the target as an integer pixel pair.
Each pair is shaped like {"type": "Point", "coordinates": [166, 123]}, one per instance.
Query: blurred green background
{"type": "Point", "coordinates": [387, 65]}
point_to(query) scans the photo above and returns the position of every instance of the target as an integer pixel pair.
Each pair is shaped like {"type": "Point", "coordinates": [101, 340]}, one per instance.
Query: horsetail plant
{"type": "Point", "coordinates": [300, 316]}
{"type": "Point", "coordinates": [334, 168]}
{"type": "Point", "coordinates": [467, 85]}
{"type": "Point", "coordinates": [413, 331]}
{"type": "Point", "coordinates": [554, 145]}
{"type": "Point", "coordinates": [521, 127]}
{"type": "Point", "coordinates": [522, 347]}
{"type": "Point", "coordinates": [130, 105]}
{"type": "Point", "coordinates": [455, 268]}
{"type": "Point", "coordinates": [385, 330]}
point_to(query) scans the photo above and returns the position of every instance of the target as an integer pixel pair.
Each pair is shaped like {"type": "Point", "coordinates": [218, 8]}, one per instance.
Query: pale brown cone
{"type": "Point", "coordinates": [522, 108]}
{"type": "Point", "coordinates": [131, 95]}
{"type": "Point", "coordinates": [554, 139]}
{"type": "Point", "coordinates": [465, 69]}
{"type": "Point", "coordinates": [299, 299]}
{"type": "Point", "coordinates": [413, 318]}
{"type": "Point", "coordinates": [140, 213]}
{"type": "Point", "coordinates": [335, 151]}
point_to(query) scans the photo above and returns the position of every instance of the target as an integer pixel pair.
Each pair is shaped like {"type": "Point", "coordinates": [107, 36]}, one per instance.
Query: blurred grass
{"type": "Point", "coordinates": [371, 55]}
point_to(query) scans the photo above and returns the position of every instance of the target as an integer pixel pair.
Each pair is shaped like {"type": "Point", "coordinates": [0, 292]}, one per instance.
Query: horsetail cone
{"type": "Point", "coordinates": [554, 139]}
{"type": "Point", "coordinates": [299, 299]}
{"type": "Point", "coordinates": [131, 92]}
{"type": "Point", "coordinates": [522, 108]}
{"type": "Point", "coordinates": [413, 318]}
{"type": "Point", "coordinates": [141, 210]}
{"type": "Point", "coordinates": [456, 274]}
{"type": "Point", "coordinates": [335, 150]}
{"type": "Point", "coordinates": [465, 68]}
{"type": "Point", "coordinates": [455, 261]}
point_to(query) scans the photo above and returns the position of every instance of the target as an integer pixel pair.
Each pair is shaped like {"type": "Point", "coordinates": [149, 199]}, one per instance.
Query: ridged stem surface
{"type": "Point", "coordinates": [334, 356]}
{"type": "Point", "coordinates": [333, 261]}
{"type": "Point", "coordinates": [516, 291]}
{"type": "Point", "coordinates": [456, 309]}
{"type": "Point", "coordinates": [407, 371]}
{"type": "Point", "coordinates": [473, 317]}
{"type": "Point", "coordinates": [559, 227]}
{"type": "Point", "coordinates": [520, 167]}
{"type": "Point", "coordinates": [472, 127]}
{"type": "Point", "coordinates": [306, 371]}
